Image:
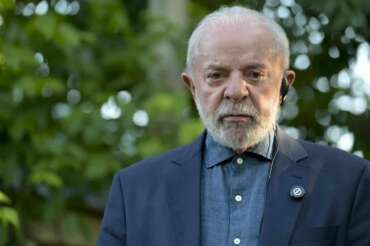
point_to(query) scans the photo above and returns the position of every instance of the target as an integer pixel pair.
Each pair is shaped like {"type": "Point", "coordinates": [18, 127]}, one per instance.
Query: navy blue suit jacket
{"type": "Point", "coordinates": [156, 202]}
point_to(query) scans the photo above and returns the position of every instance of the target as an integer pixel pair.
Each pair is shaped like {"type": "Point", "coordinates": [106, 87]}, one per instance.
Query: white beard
{"type": "Point", "coordinates": [237, 136]}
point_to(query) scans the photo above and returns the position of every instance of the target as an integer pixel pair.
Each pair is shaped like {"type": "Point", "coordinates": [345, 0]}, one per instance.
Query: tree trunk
{"type": "Point", "coordinates": [166, 71]}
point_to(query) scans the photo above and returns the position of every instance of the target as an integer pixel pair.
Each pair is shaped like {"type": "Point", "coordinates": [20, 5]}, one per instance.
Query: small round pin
{"type": "Point", "coordinates": [297, 192]}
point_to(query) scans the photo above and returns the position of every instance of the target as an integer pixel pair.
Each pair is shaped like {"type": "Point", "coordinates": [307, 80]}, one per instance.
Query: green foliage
{"type": "Point", "coordinates": [4, 199]}
{"type": "Point", "coordinates": [8, 218]}
{"type": "Point", "coordinates": [61, 75]}
{"type": "Point", "coordinates": [7, 4]}
{"type": "Point", "coordinates": [79, 101]}
{"type": "Point", "coordinates": [189, 130]}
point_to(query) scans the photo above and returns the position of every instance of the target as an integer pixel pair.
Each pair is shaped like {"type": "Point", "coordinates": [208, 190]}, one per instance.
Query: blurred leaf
{"type": "Point", "coordinates": [17, 57]}
{"type": "Point", "coordinates": [34, 86]}
{"type": "Point", "coordinates": [4, 198]}
{"type": "Point", "coordinates": [46, 177]}
{"type": "Point", "coordinates": [9, 216]}
{"type": "Point", "coordinates": [67, 35]}
{"type": "Point", "coordinates": [46, 25]}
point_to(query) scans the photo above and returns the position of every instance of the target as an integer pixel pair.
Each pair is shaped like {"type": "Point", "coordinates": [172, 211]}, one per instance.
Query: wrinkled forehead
{"type": "Point", "coordinates": [231, 35]}
{"type": "Point", "coordinates": [241, 38]}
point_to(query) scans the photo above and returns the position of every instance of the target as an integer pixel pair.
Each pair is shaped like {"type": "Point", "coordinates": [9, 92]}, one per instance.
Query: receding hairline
{"type": "Point", "coordinates": [238, 15]}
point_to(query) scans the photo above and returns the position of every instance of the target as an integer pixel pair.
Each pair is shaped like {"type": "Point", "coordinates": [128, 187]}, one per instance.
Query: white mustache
{"type": "Point", "coordinates": [245, 108]}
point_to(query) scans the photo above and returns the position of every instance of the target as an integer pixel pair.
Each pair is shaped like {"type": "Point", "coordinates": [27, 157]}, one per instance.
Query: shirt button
{"type": "Point", "coordinates": [239, 161]}
{"type": "Point", "coordinates": [238, 198]}
{"type": "Point", "coordinates": [236, 241]}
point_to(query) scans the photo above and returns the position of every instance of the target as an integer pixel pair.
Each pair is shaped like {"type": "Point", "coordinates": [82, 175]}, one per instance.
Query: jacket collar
{"type": "Point", "coordinates": [182, 155]}
{"type": "Point", "coordinates": [215, 153]}
{"type": "Point", "coordinates": [288, 146]}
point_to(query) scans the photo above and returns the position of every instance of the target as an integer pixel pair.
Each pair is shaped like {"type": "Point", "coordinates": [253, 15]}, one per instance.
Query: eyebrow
{"type": "Point", "coordinates": [220, 66]}
{"type": "Point", "coordinates": [254, 66]}
{"type": "Point", "coordinates": [216, 67]}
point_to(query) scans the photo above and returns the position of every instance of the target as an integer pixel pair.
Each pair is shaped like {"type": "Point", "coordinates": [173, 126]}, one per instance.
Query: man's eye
{"type": "Point", "coordinates": [256, 75]}
{"type": "Point", "coordinates": [214, 75]}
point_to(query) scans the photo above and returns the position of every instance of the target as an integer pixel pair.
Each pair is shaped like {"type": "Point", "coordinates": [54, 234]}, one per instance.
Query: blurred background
{"type": "Point", "coordinates": [88, 87]}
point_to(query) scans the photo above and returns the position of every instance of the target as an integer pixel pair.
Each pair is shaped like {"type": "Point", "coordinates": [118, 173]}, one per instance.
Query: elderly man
{"type": "Point", "coordinates": [243, 182]}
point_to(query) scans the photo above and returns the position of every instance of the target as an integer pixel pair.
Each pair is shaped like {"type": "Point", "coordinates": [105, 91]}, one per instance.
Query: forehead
{"type": "Point", "coordinates": [235, 43]}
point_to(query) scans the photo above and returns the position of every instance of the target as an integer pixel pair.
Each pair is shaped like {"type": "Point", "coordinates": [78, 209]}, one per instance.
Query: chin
{"type": "Point", "coordinates": [239, 136]}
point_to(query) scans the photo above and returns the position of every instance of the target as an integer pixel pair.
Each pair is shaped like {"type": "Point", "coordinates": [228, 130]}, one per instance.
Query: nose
{"type": "Point", "coordinates": [236, 88]}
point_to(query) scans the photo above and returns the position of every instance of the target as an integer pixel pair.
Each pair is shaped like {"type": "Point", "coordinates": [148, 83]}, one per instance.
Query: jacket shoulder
{"type": "Point", "coordinates": [333, 156]}
{"type": "Point", "coordinates": [156, 165]}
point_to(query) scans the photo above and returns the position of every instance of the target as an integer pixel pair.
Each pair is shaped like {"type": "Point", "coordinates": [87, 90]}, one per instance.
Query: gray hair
{"type": "Point", "coordinates": [236, 14]}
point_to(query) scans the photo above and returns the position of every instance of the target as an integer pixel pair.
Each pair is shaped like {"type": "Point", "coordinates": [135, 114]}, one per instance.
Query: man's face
{"type": "Point", "coordinates": [235, 83]}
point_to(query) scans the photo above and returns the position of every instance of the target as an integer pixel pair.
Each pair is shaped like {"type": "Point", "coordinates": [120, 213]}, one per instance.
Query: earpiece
{"type": "Point", "coordinates": [284, 88]}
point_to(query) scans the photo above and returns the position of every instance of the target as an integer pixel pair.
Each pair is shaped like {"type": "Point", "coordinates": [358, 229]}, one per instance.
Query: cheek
{"type": "Point", "coordinates": [210, 100]}
{"type": "Point", "coordinates": [267, 101]}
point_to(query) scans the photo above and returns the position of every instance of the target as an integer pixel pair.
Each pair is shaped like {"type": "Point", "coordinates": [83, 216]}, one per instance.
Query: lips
{"type": "Point", "coordinates": [238, 118]}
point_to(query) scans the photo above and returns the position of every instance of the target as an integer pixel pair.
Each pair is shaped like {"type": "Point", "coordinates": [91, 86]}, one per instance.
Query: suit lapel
{"type": "Point", "coordinates": [183, 183]}
{"type": "Point", "coordinates": [281, 210]}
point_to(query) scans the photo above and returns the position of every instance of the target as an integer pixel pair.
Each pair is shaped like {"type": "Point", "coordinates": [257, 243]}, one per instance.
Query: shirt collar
{"type": "Point", "coordinates": [216, 153]}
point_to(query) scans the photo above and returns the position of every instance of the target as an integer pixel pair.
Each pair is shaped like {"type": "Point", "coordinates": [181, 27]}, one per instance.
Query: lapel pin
{"type": "Point", "coordinates": [297, 192]}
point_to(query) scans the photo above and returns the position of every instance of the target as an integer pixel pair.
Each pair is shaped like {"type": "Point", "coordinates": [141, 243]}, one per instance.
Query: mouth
{"type": "Point", "coordinates": [236, 118]}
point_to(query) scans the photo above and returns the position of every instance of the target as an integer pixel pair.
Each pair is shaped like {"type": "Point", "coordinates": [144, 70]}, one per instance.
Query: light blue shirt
{"type": "Point", "coordinates": [233, 193]}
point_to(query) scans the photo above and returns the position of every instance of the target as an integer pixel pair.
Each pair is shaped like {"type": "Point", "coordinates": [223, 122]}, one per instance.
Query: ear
{"type": "Point", "coordinates": [286, 84]}
{"type": "Point", "coordinates": [290, 76]}
{"type": "Point", "coordinates": [189, 82]}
